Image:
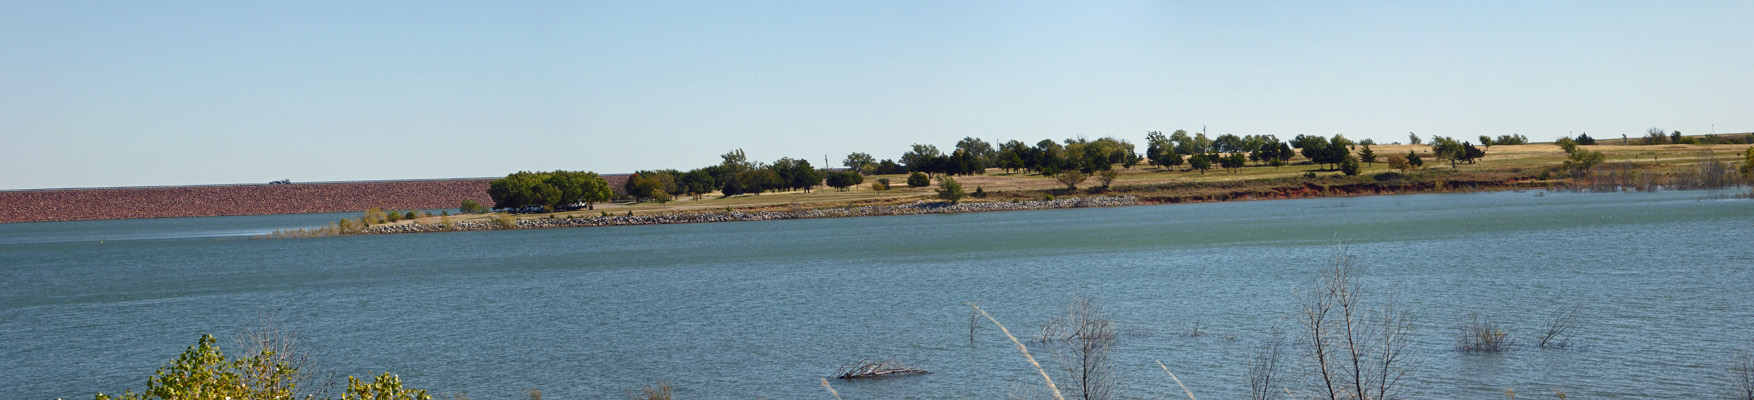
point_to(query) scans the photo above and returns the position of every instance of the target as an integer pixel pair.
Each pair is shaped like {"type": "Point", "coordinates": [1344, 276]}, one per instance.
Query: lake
{"type": "Point", "coordinates": [1664, 284]}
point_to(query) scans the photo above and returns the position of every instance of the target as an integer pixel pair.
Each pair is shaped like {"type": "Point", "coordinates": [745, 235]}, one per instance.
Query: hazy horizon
{"type": "Point", "coordinates": [153, 94]}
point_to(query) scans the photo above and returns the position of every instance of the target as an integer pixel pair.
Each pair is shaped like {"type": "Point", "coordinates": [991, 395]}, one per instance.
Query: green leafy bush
{"type": "Point", "coordinates": [204, 373]}
{"type": "Point", "coordinates": [950, 190]}
{"type": "Point", "coordinates": [471, 207]}
{"type": "Point", "coordinates": [918, 180]}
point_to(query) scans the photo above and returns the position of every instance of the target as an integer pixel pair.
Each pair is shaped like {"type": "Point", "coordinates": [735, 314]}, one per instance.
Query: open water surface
{"type": "Point", "coordinates": [1664, 282]}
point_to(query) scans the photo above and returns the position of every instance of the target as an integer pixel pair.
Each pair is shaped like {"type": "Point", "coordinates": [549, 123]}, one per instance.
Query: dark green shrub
{"type": "Point", "coordinates": [949, 189]}
{"type": "Point", "coordinates": [918, 180]}
{"type": "Point", "coordinates": [471, 207]}
{"type": "Point", "coordinates": [1388, 177]}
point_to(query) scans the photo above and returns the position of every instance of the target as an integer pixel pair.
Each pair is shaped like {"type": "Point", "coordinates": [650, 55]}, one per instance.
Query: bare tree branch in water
{"type": "Point", "coordinates": [1081, 340]}
{"type": "Point", "coordinates": [1557, 329]}
{"type": "Point", "coordinates": [1354, 351]}
{"type": "Point", "coordinates": [1264, 366]}
{"type": "Point", "coordinates": [1742, 376]}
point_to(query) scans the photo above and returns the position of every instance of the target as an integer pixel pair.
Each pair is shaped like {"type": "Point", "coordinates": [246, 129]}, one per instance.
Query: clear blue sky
{"type": "Point", "coordinates": [167, 93]}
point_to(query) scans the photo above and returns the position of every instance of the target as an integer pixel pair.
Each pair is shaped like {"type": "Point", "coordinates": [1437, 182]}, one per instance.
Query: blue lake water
{"type": "Point", "coordinates": [1664, 283]}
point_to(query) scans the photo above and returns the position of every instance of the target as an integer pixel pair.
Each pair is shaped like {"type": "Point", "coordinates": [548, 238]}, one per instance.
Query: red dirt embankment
{"type": "Point", "coordinates": [207, 201]}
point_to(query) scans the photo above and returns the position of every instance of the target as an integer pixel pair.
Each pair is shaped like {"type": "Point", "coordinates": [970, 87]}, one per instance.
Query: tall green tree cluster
{"type": "Point", "coordinates": [549, 190]}
{"type": "Point", "coordinates": [1326, 151]}
{"type": "Point", "coordinates": [842, 180]}
{"type": "Point", "coordinates": [1273, 152]}
{"type": "Point", "coordinates": [971, 157]}
{"type": "Point", "coordinates": [1047, 157]}
{"type": "Point", "coordinates": [737, 175]}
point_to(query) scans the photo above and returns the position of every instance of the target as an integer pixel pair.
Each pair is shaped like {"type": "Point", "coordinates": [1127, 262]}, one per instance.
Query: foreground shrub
{"type": "Point", "coordinates": [950, 190]}
{"type": "Point", "coordinates": [204, 373]}
{"type": "Point", "coordinates": [384, 387]}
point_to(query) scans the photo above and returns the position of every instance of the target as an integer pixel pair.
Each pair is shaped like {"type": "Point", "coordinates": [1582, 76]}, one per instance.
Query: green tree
{"type": "Point", "coordinates": [844, 180]}
{"type": "Point", "coordinates": [1399, 162]}
{"type": "Point", "coordinates": [861, 163]}
{"type": "Point", "coordinates": [1507, 140]}
{"type": "Point", "coordinates": [1159, 149]}
{"type": "Point", "coordinates": [577, 187]}
{"type": "Point", "coordinates": [1470, 154]}
{"type": "Point", "coordinates": [1414, 160]}
{"type": "Point", "coordinates": [1566, 144]}
{"type": "Point", "coordinates": [963, 162]}
{"type": "Point", "coordinates": [1200, 163]}
{"type": "Point", "coordinates": [1107, 178]}
{"type": "Point", "coordinates": [1071, 178]}
{"type": "Point", "coordinates": [1445, 148]}
{"type": "Point", "coordinates": [735, 162]}
{"type": "Point", "coordinates": [979, 149]}
{"type": "Point", "coordinates": [950, 190]}
{"type": "Point", "coordinates": [1349, 166]}
{"type": "Point", "coordinates": [1229, 143]}
{"type": "Point", "coordinates": [1367, 155]}
{"type": "Point", "coordinates": [1585, 139]}
{"type": "Point", "coordinates": [1011, 156]}
{"type": "Point", "coordinates": [921, 157]}
{"type": "Point", "coordinates": [1747, 164]}
{"type": "Point", "coordinates": [1413, 139]}
{"type": "Point", "coordinates": [514, 190]}
{"type": "Point", "coordinates": [917, 179]}
{"type": "Point", "coordinates": [1181, 142]}
{"type": "Point", "coordinates": [1747, 167]}
{"type": "Point", "coordinates": [803, 176]}
{"type": "Point", "coordinates": [1048, 157]}
{"type": "Point", "coordinates": [698, 182]}
{"type": "Point", "coordinates": [1655, 135]}
{"type": "Point", "coordinates": [1232, 162]}
{"type": "Point", "coordinates": [760, 181]}
{"type": "Point", "coordinates": [1580, 162]}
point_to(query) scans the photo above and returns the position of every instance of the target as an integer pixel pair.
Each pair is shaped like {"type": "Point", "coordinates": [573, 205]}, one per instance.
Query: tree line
{"type": "Point", "coordinates": [1068, 160]}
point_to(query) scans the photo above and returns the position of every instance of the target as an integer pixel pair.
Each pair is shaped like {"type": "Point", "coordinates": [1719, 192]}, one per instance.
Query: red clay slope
{"type": "Point", "coordinates": [206, 201]}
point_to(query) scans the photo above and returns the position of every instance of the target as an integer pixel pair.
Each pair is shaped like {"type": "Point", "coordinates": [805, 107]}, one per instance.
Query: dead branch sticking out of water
{"type": "Point", "coordinates": [865, 368]}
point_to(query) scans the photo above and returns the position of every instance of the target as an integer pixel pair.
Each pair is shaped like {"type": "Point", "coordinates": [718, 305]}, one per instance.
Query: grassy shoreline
{"type": "Point", "coordinates": [1517, 167]}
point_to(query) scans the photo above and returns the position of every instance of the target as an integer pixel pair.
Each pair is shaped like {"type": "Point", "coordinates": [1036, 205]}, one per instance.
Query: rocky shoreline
{"type": "Point", "coordinates": [915, 208]}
